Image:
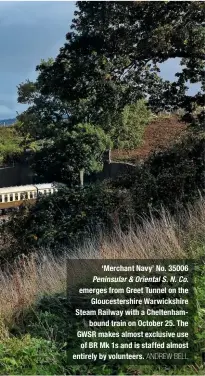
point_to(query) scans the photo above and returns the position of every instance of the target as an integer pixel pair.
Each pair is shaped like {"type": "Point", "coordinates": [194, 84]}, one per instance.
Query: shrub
{"type": "Point", "coordinates": [79, 148]}
{"type": "Point", "coordinates": [29, 356]}
{"type": "Point", "coordinates": [129, 129]}
{"type": "Point", "coordinates": [48, 319]}
{"type": "Point", "coordinates": [67, 217]}
{"type": "Point", "coordinates": [170, 178]}
{"type": "Point", "coordinates": [10, 144]}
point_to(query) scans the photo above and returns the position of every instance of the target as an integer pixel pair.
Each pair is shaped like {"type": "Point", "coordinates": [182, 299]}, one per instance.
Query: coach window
{"type": "Point", "coordinates": [16, 196]}
{"type": "Point", "coordinates": [11, 196]}
{"type": "Point", "coordinates": [26, 196]}
{"type": "Point", "coordinates": [31, 195]}
{"type": "Point", "coordinates": [21, 196]}
{"type": "Point", "coordinates": [5, 198]}
{"type": "Point", "coordinates": [1, 200]}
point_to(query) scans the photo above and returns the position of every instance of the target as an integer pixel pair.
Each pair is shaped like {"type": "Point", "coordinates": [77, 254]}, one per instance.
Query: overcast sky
{"type": "Point", "coordinates": [29, 32]}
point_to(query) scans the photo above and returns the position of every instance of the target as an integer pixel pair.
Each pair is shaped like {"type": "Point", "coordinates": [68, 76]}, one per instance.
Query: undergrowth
{"type": "Point", "coordinates": [34, 316]}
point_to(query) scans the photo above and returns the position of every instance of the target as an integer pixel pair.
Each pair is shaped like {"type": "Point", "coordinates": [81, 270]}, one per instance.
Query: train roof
{"type": "Point", "coordinates": [24, 188]}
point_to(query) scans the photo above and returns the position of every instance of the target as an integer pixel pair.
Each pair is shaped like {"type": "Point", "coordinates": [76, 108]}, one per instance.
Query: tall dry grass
{"type": "Point", "coordinates": [165, 238]}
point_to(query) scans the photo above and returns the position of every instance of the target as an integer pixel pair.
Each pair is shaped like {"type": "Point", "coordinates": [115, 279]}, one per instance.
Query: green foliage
{"type": "Point", "coordinates": [46, 320]}
{"type": "Point", "coordinates": [112, 54]}
{"type": "Point", "coordinates": [27, 92]}
{"type": "Point", "coordinates": [67, 217]}
{"type": "Point", "coordinates": [170, 178]}
{"type": "Point", "coordinates": [10, 143]}
{"type": "Point", "coordinates": [51, 333]}
{"type": "Point", "coordinates": [110, 62]}
{"type": "Point", "coordinates": [29, 356]}
{"type": "Point", "coordinates": [129, 130]}
{"type": "Point", "coordinates": [66, 146]}
{"type": "Point", "coordinates": [80, 148]}
{"type": "Point", "coordinates": [200, 317]}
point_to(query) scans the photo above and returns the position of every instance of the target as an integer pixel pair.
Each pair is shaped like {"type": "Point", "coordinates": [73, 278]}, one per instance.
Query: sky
{"type": "Point", "coordinates": [31, 31]}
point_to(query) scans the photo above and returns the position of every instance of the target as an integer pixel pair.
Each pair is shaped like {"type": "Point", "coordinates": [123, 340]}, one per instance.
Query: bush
{"type": "Point", "coordinates": [81, 148]}
{"type": "Point", "coordinates": [68, 216]}
{"type": "Point", "coordinates": [30, 356]}
{"type": "Point", "coordinates": [48, 319]}
{"type": "Point", "coordinates": [129, 129]}
{"type": "Point", "coordinates": [170, 178]}
{"type": "Point", "coordinates": [10, 144]}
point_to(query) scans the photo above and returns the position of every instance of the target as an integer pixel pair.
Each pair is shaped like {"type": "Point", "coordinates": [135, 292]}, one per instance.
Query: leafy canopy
{"type": "Point", "coordinates": [81, 148]}
{"type": "Point", "coordinates": [112, 55]}
{"type": "Point", "coordinates": [110, 61]}
{"type": "Point", "coordinates": [128, 131]}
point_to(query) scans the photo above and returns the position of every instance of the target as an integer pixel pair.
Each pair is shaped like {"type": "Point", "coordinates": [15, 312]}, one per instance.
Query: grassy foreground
{"type": "Point", "coordinates": [33, 308]}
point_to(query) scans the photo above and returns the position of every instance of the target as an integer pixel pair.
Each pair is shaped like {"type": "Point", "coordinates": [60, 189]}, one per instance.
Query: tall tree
{"type": "Point", "coordinates": [111, 60]}
{"type": "Point", "coordinates": [112, 54]}
{"type": "Point", "coordinates": [80, 148]}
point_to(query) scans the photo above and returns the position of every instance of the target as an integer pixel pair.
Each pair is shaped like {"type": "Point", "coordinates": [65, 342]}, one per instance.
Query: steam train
{"type": "Point", "coordinates": [11, 197]}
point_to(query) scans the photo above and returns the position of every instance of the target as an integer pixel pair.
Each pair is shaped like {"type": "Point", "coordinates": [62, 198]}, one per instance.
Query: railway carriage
{"type": "Point", "coordinates": [11, 197]}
